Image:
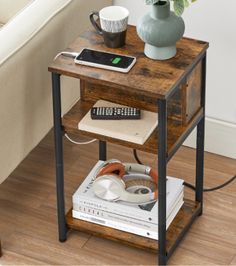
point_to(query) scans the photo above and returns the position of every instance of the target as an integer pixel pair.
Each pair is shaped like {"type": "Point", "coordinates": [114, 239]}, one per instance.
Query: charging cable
{"type": "Point", "coordinates": [79, 143]}
{"type": "Point", "coordinates": [66, 54]}
{"type": "Point", "coordinates": [190, 185]}
{"type": "Point", "coordinates": [73, 55]}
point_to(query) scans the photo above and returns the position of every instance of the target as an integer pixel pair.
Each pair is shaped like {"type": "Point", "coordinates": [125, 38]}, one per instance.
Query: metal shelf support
{"type": "Point", "coordinates": [58, 135]}
{"type": "Point", "coordinates": [162, 163]}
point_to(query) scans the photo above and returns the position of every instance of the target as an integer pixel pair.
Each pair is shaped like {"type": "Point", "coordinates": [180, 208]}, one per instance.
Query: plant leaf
{"type": "Point", "coordinates": [179, 7]}
{"type": "Point", "coordinates": [186, 3]}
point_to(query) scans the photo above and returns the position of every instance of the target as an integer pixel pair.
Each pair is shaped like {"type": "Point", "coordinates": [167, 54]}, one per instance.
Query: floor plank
{"type": "Point", "coordinates": [11, 258]}
{"type": "Point", "coordinates": [233, 262]}
{"type": "Point", "coordinates": [28, 224]}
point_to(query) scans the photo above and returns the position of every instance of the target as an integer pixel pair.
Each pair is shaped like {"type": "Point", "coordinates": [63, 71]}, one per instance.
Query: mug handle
{"type": "Point", "coordinates": [94, 23]}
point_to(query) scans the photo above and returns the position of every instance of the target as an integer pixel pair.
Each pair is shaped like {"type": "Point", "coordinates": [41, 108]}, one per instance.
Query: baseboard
{"type": "Point", "coordinates": [220, 138]}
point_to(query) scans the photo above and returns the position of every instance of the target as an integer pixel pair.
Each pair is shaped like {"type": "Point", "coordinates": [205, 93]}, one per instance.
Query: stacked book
{"type": "Point", "coordinates": [133, 218]}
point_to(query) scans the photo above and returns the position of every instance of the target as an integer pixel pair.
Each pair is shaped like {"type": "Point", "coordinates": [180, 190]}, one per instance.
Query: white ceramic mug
{"type": "Point", "coordinates": [114, 22]}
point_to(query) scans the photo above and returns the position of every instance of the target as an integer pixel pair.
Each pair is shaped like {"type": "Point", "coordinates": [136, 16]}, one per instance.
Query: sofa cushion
{"type": "Point", "coordinates": [9, 8]}
{"type": "Point", "coordinates": [38, 16]}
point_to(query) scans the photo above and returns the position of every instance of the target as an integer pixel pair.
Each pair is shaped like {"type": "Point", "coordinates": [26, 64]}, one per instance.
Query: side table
{"type": "Point", "coordinates": [175, 89]}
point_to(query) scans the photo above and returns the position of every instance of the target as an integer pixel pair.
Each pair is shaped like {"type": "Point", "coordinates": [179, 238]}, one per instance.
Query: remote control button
{"type": "Point", "coordinates": [115, 113]}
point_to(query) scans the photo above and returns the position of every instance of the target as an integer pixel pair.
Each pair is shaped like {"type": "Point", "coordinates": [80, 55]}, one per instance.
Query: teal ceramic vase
{"type": "Point", "coordinates": [160, 29]}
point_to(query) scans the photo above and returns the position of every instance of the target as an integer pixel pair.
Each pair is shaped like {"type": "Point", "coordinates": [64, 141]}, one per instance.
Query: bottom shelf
{"type": "Point", "coordinates": [175, 232]}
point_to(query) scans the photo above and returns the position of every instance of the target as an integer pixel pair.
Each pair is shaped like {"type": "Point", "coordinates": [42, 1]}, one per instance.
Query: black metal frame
{"type": "Point", "coordinates": [162, 165]}
{"type": "Point", "coordinates": [58, 135]}
{"type": "Point", "coordinates": [163, 159]}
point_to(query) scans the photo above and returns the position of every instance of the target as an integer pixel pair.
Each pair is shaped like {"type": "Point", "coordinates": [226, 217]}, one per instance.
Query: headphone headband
{"type": "Point", "coordinates": [104, 164]}
{"type": "Point", "coordinates": [142, 169]}
{"type": "Point", "coordinates": [110, 184]}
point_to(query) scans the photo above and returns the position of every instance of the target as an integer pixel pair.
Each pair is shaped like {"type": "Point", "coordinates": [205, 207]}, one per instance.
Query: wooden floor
{"type": "Point", "coordinates": [28, 222]}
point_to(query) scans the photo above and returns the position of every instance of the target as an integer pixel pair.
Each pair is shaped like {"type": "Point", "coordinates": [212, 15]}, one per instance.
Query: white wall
{"type": "Point", "coordinates": [213, 21]}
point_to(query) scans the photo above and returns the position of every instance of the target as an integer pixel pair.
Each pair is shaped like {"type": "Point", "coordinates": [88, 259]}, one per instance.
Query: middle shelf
{"type": "Point", "coordinates": [176, 131]}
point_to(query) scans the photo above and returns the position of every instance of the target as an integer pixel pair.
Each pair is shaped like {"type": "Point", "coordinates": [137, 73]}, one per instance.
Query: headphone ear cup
{"type": "Point", "coordinates": [136, 195]}
{"type": "Point", "coordinates": [153, 173]}
{"type": "Point", "coordinates": [109, 187]}
{"type": "Point", "coordinates": [136, 198]}
{"type": "Point", "coordinates": [113, 168]}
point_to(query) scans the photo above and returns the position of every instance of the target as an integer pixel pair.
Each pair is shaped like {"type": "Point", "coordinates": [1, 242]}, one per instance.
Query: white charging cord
{"type": "Point", "coordinates": [79, 143]}
{"type": "Point", "coordinates": [73, 55]}
{"type": "Point", "coordinates": [67, 54]}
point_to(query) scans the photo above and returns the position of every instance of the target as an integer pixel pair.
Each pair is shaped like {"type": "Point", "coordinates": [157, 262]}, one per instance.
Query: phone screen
{"type": "Point", "coordinates": [103, 58]}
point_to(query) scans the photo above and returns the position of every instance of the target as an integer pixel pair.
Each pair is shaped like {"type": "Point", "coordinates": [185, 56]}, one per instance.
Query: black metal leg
{"type": "Point", "coordinates": [102, 150]}
{"type": "Point", "coordinates": [200, 162]}
{"type": "Point", "coordinates": [59, 156]}
{"type": "Point", "coordinates": [162, 161]}
{"type": "Point", "coordinates": [200, 142]}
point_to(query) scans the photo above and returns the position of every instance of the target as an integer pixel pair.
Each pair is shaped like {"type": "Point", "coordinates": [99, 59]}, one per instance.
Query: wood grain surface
{"type": "Point", "coordinates": [28, 220]}
{"type": "Point", "coordinates": [148, 77]}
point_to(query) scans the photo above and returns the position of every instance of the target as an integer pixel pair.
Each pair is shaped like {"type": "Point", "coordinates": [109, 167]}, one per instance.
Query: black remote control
{"type": "Point", "coordinates": [115, 113]}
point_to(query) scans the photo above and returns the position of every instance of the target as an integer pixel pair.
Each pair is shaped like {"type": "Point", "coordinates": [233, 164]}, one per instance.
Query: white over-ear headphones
{"type": "Point", "coordinates": [110, 182]}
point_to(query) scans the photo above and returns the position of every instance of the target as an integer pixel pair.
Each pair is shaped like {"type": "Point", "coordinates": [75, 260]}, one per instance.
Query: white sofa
{"type": "Point", "coordinates": [32, 32]}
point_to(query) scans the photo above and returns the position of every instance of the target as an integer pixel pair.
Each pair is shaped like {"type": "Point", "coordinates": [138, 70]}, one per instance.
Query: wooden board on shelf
{"type": "Point", "coordinates": [175, 232]}
{"type": "Point", "coordinates": [132, 130]}
{"type": "Point", "coordinates": [176, 130]}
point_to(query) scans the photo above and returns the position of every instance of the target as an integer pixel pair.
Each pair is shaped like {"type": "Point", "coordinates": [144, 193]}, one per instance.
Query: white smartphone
{"type": "Point", "coordinates": [110, 61]}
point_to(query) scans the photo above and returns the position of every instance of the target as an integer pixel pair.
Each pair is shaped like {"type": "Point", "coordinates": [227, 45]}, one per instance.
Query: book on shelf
{"type": "Point", "coordinates": [135, 131]}
{"type": "Point", "coordinates": [119, 222]}
{"type": "Point", "coordinates": [84, 197]}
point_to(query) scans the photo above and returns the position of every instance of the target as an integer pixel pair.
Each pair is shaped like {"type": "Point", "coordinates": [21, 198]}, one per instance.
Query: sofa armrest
{"type": "Point", "coordinates": [31, 40]}
{"type": "Point", "coordinates": [20, 30]}
{"type": "Point", "coordinates": [8, 10]}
